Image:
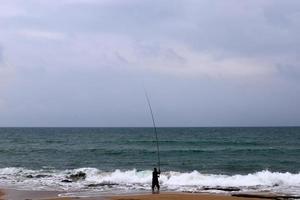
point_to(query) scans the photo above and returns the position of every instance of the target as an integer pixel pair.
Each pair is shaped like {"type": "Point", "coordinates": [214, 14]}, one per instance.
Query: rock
{"type": "Point", "coordinates": [41, 176]}
{"type": "Point", "coordinates": [101, 184]}
{"type": "Point", "coordinates": [227, 189]}
{"type": "Point", "coordinates": [79, 176]}
{"type": "Point", "coordinates": [265, 196]}
{"type": "Point", "coordinates": [37, 176]}
{"type": "Point", "coordinates": [66, 181]}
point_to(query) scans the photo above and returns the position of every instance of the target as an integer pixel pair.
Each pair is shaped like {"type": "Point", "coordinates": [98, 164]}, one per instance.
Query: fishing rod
{"type": "Point", "coordinates": [154, 128]}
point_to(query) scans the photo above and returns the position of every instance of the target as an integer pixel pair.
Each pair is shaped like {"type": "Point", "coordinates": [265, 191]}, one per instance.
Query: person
{"type": "Point", "coordinates": [155, 183]}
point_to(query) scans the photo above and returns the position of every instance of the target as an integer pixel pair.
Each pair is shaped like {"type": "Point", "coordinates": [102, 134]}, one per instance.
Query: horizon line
{"type": "Point", "coordinates": [286, 126]}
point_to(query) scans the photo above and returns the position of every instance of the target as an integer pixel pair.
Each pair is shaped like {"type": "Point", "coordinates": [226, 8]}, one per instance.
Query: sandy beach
{"type": "Point", "coordinates": [47, 195]}
{"type": "Point", "coordinates": [1, 195]}
{"type": "Point", "coordinates": [179, 196]}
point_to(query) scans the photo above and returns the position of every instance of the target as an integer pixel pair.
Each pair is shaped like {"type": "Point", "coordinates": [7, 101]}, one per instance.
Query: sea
{"type": "Point", "coordinates": [95, 161]}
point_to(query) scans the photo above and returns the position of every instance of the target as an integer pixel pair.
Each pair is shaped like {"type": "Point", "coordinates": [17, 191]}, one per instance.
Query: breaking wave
{"type": "Point", "coordinates": [95, 180]}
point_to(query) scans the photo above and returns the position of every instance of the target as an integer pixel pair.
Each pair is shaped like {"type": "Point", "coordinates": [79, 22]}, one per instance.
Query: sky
{"type": "Point", "coordinates": [85, 63]}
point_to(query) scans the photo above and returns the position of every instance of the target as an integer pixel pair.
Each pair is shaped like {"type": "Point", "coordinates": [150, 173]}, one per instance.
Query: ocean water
{"type": "Point", "coordinates": [121, 159]}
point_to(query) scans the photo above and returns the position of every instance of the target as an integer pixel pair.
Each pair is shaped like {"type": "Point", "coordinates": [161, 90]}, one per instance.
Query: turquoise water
{"type": "Point", "coordinates": [206, 151]}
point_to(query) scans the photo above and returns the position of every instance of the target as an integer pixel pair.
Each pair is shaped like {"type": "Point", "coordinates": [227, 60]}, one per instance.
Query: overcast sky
{"type": "Point", "coordinates": [203, 62]}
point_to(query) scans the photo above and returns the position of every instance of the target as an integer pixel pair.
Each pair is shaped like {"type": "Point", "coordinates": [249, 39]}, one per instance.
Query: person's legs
{"type": "Point", "coordinates": [155, 184]}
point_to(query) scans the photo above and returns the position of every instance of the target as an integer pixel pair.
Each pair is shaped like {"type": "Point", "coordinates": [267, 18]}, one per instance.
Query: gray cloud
{"type": "Point", "coordinates": [205, 62]}
{"type": "Point", "coordinates": [1, 55]}
{"type": "Point", "coordinates": [289, 72]}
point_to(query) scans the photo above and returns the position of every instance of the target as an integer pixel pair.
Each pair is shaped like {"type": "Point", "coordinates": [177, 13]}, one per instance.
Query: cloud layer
{"type": "Point", "coordinates": [206, 63]}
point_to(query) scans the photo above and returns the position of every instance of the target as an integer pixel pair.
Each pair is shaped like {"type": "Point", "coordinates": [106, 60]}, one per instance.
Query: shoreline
{"type": "Point", "coordinates": [180, 196]}
{"type": "Point", "coordinates": [13, 194]}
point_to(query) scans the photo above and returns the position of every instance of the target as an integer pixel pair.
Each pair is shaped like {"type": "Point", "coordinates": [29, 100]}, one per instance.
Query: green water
{"type": "Point", "coordinates": [208, 150]}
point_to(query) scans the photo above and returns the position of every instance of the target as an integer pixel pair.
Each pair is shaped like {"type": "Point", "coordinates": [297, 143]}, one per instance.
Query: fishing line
{"type": "Point", "coordinates": [154, 127]}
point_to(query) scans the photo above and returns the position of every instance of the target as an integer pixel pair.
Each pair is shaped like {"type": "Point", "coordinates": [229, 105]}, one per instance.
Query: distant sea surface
{"type": "Point", "coordinates": [192, 159]}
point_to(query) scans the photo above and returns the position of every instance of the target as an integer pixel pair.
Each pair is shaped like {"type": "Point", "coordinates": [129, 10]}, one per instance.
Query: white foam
{"type": "Point", "coordinates": [141, 180]}
{"type": "Point", "coordinates": [265, 178]}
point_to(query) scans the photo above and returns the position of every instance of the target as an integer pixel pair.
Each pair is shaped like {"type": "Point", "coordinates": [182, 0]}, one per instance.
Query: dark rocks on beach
{"type": "Point", "coordinates": [66, 181]}
{"type": "Point", "coordinates": [266, 196]}
{"type": "Point", "coordinates": [37, 176]}
{"type": "Point", "coordinates": [75, 177]}
{"type": "Point", "coordinates": [102, 184]}
{"type": "Point", "coordinates": [78, 176]}
{"type": "Point", "coordinates": [227, 189]}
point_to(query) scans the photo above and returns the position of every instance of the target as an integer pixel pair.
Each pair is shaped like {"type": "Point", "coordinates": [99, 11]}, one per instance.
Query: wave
{"type": "Point", "coordinates": [103, 181]}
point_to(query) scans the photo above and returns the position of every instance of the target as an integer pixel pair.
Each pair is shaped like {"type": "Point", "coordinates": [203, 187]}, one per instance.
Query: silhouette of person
{"type": "Point", "coordinates": [155, 183]}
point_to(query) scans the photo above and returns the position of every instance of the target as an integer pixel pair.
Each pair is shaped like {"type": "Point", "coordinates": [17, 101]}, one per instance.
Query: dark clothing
{"type": "Point", "coordinates": [155, 183]}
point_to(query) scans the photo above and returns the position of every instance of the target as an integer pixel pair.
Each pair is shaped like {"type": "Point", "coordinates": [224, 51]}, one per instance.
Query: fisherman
{"type": "Point", "coordinates": [155, 176]}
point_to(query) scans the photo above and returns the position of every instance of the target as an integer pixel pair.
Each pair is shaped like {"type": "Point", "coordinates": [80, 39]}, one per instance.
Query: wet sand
{"type": "Point", "coordinates": [163, 196]}
{"type": "Point", "coordinates": [11, 194]}
{"type": "Point", "coordinates": [46, 195]}
{"type": "Point", "coordinates": [180, 196]}
{"type": "Point", "coordinates": [1, 195]}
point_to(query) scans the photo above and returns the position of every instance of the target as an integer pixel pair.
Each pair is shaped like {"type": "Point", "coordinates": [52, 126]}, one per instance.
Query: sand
{"type": "Point", "coordinates": [180, 196]}
{"type": "Point", "coordinates": [12, 194]}
{"type": "Point", "coordinates": [1, 195]}
{"type": "Point", "coordinates": [43, 195]}
{"type": "Point", "coordinates": [163, 196]}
